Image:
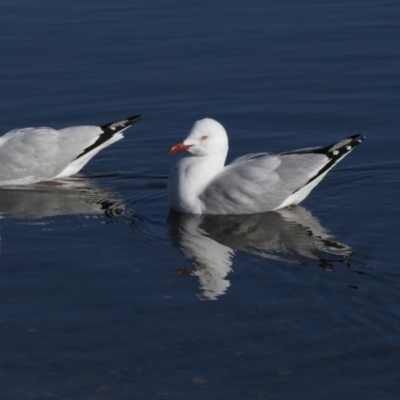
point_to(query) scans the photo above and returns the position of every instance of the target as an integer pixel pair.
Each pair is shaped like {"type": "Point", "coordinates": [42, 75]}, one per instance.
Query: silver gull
{"type": "Point", "coordinates": [201, 183]}
{"type": "Point", "coordinates": [33, 155]}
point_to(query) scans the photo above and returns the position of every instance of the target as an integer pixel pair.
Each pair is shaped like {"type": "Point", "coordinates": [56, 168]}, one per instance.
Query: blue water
{"type": "Point", "coordinates": [105, 294]}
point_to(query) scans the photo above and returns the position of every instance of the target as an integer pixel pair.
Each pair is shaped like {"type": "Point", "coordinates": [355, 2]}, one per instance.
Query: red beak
{"type": "Point", "coordinates": [179, 147]}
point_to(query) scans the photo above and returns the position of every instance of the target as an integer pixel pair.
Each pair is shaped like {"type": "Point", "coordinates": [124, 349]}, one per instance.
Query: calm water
{"type": "Point", "coordinates": [106, 295]}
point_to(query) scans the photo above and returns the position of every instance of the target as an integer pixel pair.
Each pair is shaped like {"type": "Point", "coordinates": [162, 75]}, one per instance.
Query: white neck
{"type": "Point", "coordinates": [189, 177]}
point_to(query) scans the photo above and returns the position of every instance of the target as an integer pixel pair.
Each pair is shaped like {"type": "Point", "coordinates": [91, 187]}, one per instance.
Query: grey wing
{"type": "Point", "coordinates": [260, 182]}
{"type": "Point", "coordinates": [34, 154]}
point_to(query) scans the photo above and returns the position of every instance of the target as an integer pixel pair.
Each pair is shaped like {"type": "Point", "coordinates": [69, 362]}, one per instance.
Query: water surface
{"type": "Point", "coordinates": [108, 295]}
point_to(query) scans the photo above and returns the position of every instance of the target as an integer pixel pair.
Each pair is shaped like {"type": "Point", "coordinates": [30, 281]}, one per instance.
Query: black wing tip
{"type": "Point", "coordinates": [358, 137]}
{"type": "Point", "coordinates": [341, 148]}
{"type": "Point", "coordinates": [109, 130]}
{"type": "Point", "coordinates": [352, 141]}
{"type": "Point", "coordinates": [121, 123]}
{"type": "Point", "coordinates": [335, 153]}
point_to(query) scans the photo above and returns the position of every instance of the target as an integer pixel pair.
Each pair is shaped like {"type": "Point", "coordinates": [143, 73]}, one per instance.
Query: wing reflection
{"type": "Point", "coordinates": [68, 196]}
{"type": "Point", "coordinates": [210, 242]}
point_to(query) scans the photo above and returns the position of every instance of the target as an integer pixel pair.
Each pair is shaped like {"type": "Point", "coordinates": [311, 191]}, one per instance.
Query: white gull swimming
{"type": "Point", "coordinates": [33, 155]}
{"type": "Point", "coordinates": [200, 183]}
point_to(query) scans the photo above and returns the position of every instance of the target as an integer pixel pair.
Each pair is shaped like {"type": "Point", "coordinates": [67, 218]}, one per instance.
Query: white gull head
{"type": "Point", "coordinates": [207, 137]}
{"type": "Point", "coordinates": [207, 144]}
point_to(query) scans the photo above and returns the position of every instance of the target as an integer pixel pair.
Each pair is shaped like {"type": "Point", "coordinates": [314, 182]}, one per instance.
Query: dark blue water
{"type": "Point", "coordinates": [106, 295]}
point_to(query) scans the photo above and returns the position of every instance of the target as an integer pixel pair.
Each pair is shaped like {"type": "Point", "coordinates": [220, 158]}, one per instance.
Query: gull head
{"type": "Point", "coordinates": [207, 137]}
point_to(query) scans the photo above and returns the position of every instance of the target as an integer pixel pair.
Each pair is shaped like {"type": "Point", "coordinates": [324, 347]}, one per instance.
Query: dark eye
{"type": "Point", "coordinates": [204, 137]}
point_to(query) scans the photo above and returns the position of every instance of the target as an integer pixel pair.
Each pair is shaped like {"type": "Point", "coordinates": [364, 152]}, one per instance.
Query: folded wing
{"type": "Point", "coordinates": [33, 154]}
{"type": "Point", "coordinates": [260, 182]}
{"type": "Point", "coordinates": [264, 182]}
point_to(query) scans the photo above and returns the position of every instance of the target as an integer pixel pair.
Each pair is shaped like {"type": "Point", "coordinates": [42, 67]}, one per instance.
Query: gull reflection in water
{"type": "Point", "coordinates": [63, 197]}
{"type": "Point", "coordinates": [210, 241]}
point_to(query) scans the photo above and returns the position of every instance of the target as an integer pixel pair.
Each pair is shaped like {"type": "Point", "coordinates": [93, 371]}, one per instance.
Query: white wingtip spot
{"type": "Point", "coordinates": [335, 153]}
{"type": "Point", "coordinates": [117, 124]}
{"type": "Point", "coordinates": [111, 127]}
{"type": "Point", "coordinates": [348, 148]}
